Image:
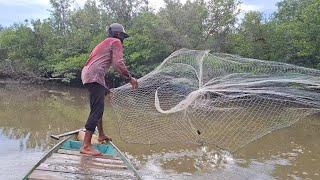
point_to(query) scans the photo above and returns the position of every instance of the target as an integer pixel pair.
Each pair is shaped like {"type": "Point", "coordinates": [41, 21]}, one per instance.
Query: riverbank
{"type": "Point", "coordinates": [35, 79]}
{"type": "Point", "coordinates": [31, 78]}
{"type": "Point", "coordinates": [17, 72]}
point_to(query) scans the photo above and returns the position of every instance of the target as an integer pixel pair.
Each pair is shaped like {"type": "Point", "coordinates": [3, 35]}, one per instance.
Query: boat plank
{"type": "Point", "coordinates": [81, 162]}
{"type": "Point", "coordinates": [50, 175]}
{"type": "Point", "coordinates": [86, 158]}
{"type": "Point", "coordinates": [46, 155]}
{"type": "Point", "coordinates": [64, 151]}
{"type": "Point", "coordinates": [85, 170]}
{"type": "Point", "coordinates": [61, 163]}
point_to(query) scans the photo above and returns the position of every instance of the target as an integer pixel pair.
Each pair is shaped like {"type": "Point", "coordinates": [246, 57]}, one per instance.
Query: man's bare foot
{"type": "Point", "coordinates": [89, 150]}
{"type": "Point", "coordinates": [104, 137]}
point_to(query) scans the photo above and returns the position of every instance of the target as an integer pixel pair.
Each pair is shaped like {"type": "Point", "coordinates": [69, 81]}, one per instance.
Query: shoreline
{"type": "Point", "coordinates": [32, 79]}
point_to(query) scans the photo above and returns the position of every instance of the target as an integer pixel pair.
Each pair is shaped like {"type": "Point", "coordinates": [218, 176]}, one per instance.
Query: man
{"type": "Point", "coordinates": [108, 53]}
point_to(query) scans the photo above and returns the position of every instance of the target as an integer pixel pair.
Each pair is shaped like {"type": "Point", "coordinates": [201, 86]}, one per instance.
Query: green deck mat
{"type": "Point", "coordinates": [106, 149]}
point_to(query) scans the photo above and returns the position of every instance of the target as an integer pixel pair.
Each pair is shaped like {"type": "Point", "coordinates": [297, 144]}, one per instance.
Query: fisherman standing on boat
{"type": "Point", "coordinates": [107, 53]}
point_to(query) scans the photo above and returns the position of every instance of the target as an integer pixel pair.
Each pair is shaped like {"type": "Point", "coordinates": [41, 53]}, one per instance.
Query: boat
{"type": "Point", "coordinates": [64, 161]}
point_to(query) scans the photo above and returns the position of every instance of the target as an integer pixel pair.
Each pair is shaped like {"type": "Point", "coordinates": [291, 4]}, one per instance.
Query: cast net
{"type": "Point", "coordinates": [219, 99]}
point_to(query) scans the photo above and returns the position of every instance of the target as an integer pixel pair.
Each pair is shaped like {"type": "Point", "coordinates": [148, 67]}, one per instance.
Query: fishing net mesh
{"type": "Point", "coordinates": [219, 99]}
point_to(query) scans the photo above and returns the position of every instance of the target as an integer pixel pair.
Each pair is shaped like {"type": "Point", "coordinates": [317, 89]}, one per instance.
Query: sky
{"type": "Point", "coordinates": [15, 11]}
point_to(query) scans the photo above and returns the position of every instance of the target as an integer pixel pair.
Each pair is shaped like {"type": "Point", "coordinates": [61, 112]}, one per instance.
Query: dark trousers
{"type": "Point", "coordinates": [96, 95]}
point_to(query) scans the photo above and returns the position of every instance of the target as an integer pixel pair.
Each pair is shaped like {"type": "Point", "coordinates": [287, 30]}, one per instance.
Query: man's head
{"type": "Point", "coordinates": [116, 30]}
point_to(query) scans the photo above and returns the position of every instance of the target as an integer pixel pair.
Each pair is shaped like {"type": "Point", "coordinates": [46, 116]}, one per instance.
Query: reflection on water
{"type": "Point", "coordinates": [15, 157]}
{"type": "Point", "coordinates": [30, 114]}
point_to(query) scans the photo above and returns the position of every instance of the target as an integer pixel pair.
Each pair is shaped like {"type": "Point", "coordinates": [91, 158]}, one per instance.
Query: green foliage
{"type": "Point", "coordinates": [298, 25]}
{"type": "Point", "coordinates": [3, 53]}
{"type": "Point", "coordinates": [250, 40]}
{"type": "Point", "coordinates": [123, 11]}
{"type": "Point", "coordinates": [70, 68]}
{"type": "Point", "coordinates": [292, 36]}
{"type": "Point", "coordinates": [144, 50]}
{"type": "Point", "coordinates": [198, 24]}
{"type": "Point", "coordinates": [17, 40]}
{"type": "Point", "coordinates": [60, 15]}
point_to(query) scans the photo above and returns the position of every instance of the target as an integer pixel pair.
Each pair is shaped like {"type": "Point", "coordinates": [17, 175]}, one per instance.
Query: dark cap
{"type": "Point", "coordinates": [116, 27]}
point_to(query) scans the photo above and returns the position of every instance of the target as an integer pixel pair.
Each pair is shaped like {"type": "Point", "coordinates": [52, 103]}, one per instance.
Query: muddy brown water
{"type": "Point", "coordinates": [30, 114]}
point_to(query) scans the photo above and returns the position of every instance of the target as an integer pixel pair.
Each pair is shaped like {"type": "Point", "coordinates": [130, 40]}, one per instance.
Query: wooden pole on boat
{"type": "Point", "coordinates": [126, 160]}
{"type": "Point", "coordinates": [57, 137]}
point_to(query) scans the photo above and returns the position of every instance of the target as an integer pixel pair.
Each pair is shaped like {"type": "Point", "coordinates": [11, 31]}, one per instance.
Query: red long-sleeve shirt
{"type": "Point", "coordinates": [108, 53]}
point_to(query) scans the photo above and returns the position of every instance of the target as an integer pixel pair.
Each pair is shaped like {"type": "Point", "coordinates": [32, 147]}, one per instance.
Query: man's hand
{"type": "Point", "coordinates": [109, 97]}
{"type": "Point", "coordinates": [134, 83]}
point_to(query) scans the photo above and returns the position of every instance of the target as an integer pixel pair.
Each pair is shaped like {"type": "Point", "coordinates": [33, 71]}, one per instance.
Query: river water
{"type": "Point", "coordinates": [30, 114]}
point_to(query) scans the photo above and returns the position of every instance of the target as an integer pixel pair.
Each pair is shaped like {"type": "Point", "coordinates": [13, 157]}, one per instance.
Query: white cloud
{"type": "Point", "coordinates": [45, 3]}
{"type": "Point", "coordinates": [25, 2]}
{"type": "Point", "coordinates": [18, 10]}
{"type": "Point", "coordinates": [79, 3]}
{"type": "Point", "coordinates": [250, 7]}
{"type": "Point", "coordinates": [156, 4]}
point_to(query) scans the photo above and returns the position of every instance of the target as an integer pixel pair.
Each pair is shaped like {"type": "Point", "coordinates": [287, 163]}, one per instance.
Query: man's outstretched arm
{"type": "Point", "coordinates": [119, 65]}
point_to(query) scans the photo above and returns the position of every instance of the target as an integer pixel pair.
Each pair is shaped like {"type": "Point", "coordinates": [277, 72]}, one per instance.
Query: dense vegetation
{"type": "Point", "coordinates": [59, 46]}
